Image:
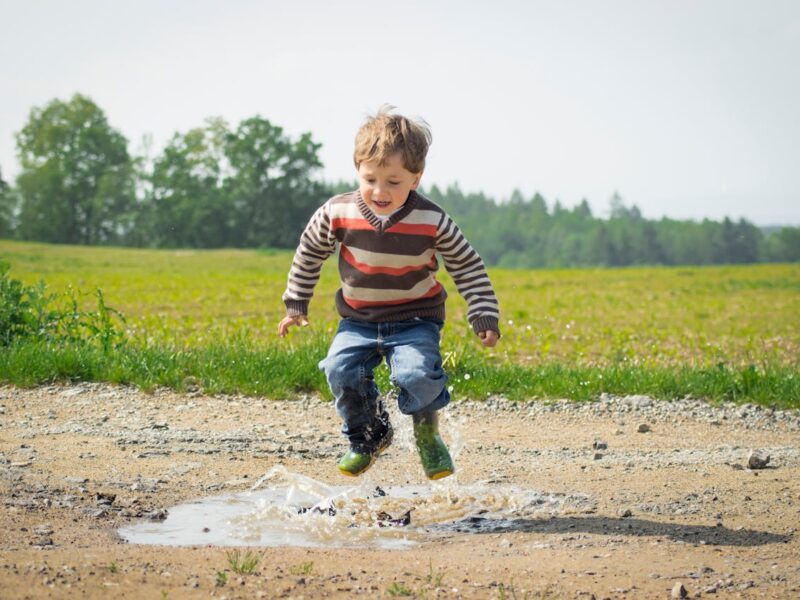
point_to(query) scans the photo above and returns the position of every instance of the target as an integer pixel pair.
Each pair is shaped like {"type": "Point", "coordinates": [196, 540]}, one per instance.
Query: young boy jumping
{"type": "Point", "coordinates": [390, 302]}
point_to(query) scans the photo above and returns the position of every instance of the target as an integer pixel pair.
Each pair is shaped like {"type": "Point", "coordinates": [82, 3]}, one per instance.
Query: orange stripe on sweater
{"type": "Point", "coordinates": [366, 303]}
{"type": "Point", "coordinates": [412, 229]}
{"type": "Point", "coordinates": [344, 223]}
{"type": "Point", "coordinates": [370, 270]}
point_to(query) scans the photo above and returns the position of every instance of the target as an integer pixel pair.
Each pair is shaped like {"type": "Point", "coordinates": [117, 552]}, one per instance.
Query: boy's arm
{"type": "Point", "coordinates": [317, 243]}
{"type": "Point", "coordinates": [466, 268]}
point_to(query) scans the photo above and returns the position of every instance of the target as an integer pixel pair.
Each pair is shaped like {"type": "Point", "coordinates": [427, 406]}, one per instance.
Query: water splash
{"type": "Point", "coordinates": [289, 509]}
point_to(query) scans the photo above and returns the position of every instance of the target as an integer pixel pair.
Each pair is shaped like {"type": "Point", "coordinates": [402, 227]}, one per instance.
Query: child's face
{"type": "Point", "coordinates": [386, 188]}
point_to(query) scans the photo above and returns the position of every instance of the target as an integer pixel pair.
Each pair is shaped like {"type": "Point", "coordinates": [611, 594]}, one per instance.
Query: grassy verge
{"type": "Point", "coordinates": [286, 371]}
{"type": "Point", "coordinates": [67, 335]}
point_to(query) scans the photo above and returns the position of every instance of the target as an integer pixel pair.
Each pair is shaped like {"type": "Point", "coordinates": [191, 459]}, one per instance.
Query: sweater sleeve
{"type": "Point", "coordinates": [466, 268]}
{"type": "Point", "coordinates": [317, 243]}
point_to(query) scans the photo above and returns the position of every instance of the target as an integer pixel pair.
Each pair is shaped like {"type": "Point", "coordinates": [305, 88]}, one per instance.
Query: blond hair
{"type": "Point", "coordinates": [385, 134]}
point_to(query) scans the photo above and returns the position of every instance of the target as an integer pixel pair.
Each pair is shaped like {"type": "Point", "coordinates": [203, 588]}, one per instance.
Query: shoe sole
{"type": "Point", "coordinates": [378, 451]}
{"type": "Point", "coordinates": [441, 474]}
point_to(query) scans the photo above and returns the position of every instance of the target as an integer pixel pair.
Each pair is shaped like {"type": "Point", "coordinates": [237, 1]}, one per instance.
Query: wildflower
{"type": "Point", "coordinates": [467, 376]}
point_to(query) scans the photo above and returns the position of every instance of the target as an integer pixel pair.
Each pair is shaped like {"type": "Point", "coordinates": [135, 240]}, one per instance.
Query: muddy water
{"type": "Point", "coordinates": [289, 509]}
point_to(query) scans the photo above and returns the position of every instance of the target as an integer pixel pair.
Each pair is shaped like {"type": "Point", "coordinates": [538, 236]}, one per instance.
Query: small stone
{"type": "Point", "coordinates": [624, 513]}
{"type": "Point", "coordinates": [643, 428]}
{"type": "Point", "coordinates": [105, 498]}
{"type": "Point", "coordinates": [598, 455]}
{"type": "Point", "coordinates": [757, 460]}
{"type": "Point", "coordinates": [679, 591]}
{"type": "Point", "coordinates": [599, 445]}
{"type": "Point", "coordinates": [43, 541]}
{"type": "Point", "coordinates": [158, 514]}
{"type": "Point", "coordinates": [43, 530]}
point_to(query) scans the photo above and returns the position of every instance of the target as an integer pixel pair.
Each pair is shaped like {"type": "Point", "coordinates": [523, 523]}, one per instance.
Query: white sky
{"type": "Point", "coordinates": [690, 109]}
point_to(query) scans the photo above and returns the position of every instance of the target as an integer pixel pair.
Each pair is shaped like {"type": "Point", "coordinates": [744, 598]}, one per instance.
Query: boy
{"type": "Point", "coordinates": [390, 302]}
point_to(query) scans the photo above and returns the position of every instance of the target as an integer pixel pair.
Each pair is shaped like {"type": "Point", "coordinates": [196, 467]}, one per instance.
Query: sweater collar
{"type": "Point", "coordinates": [398, 215]}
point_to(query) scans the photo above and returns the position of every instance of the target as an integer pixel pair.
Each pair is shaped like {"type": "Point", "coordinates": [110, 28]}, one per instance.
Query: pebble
{"type": "Point", "coordinates": [643, 428]}
{"type": "Point", "coordinates": [757, 459]}
{"type": "Point", "coordinates": [159, 514]}
{"type": "Point", "coordinates": [679, 591]}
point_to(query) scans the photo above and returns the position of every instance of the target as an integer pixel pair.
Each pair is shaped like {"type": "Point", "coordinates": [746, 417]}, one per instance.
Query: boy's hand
{"type": "Point", "coordinates": [286, 322]}
{"type": "Point", "coordinates": [488, 338]}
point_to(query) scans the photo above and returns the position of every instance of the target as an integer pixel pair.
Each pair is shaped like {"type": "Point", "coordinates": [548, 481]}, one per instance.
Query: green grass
{"type": "Point", "coordinates": [398, 589]}
{"type": "Point", "coordinates": [304, 568]}
{"type": "Point", "coordinates": [243, 563]}
{"type": "Point", "coordinates": [272, 373]}
{"type": "Point", "coordinates": [720, 333]}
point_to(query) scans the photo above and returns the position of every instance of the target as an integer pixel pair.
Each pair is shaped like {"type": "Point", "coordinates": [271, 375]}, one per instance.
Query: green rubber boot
{"type": "Point", "coordinates": [433, 453]}
{"type": "Point", "coordinates": [358, 459]}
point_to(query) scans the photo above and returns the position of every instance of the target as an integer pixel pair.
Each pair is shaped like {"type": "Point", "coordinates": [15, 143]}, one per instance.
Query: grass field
{"type": "Point", "coordinates": [719, 332]}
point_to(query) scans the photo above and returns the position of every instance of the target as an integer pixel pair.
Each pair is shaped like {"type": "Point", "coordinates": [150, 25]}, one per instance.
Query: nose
{"type": "Point", "coordinates": [378, 191]}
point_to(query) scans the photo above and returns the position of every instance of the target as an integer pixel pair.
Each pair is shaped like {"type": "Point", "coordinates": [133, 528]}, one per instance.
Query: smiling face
{"type": "Point", "coordinates": [385, 188]}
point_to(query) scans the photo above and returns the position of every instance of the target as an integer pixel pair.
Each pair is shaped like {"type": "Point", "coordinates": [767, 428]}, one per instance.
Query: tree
{"type": "Point", "coordinates": [787, 244]}
{"type": "Point", "coordinates": [186, 206]}
{"type": "Point", "coordinates": [271, 184]}
{"type": "Point", "coordinates": [6, 209]}
{"type": "Point", "coordinates": [77, 178]}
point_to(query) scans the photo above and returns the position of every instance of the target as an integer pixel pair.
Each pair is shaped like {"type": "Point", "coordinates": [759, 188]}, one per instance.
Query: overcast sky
{"type": "Point", "coordinates": [690, 109]}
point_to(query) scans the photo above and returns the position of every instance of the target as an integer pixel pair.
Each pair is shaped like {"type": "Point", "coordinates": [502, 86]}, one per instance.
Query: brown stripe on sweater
{"type": "Point", "coordinates": [350, 274]}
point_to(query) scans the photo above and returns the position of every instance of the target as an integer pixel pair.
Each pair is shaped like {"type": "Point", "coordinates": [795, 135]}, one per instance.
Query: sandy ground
{"type": "Point", "coordinates": [675, 505]}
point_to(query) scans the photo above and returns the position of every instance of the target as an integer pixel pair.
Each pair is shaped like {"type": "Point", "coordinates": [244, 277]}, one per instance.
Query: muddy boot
{"type": "Point", "coordinates": [433, 453]}
{"type": "Point", "coordinates": [361, 455]}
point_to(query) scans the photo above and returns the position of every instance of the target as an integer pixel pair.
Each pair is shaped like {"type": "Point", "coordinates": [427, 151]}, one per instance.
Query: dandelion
{"type": "Point", "coordinates": [450, 389]}
{"type": "Point", "coordinates": [510, 322]}
{"type": "Point", "coordinates": [467, 376]}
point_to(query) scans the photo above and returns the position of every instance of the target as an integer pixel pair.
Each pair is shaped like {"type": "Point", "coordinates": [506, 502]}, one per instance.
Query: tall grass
{"type": "Point", "coordinates": [280, 373]}
{"type": "Point", "coordinates": [208, 318]}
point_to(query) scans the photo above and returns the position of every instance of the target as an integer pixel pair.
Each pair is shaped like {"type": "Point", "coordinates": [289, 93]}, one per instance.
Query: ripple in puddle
{"type": "Point", "coordinates": [299, 511]}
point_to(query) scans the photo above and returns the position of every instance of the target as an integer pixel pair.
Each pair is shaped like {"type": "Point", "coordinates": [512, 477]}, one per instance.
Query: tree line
{"type": "Point", "coordinates": [254, 186]}
{"type": "Point", "coordinates": [526, 233]}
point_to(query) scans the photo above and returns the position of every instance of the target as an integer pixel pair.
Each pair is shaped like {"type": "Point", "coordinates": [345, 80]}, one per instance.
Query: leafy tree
{"type": "Point", "coordinates": [76, 177]}
{"type": "Point", "coordinates": [783, 245]}
{"type": "Point", "coordinates": [271, 185]}
{"type": "Point", "coordinates": [186, 205]}
{"type": "Point", "coordinates": [7, 206]}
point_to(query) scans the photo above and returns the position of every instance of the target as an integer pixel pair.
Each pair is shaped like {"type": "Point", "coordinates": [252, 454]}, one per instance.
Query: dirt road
{"type": "Point", "coordinates": [670, 498]}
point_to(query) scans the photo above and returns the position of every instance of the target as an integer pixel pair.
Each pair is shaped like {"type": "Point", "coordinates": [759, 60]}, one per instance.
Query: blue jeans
{"type": "Point", "coordinates": [411, 349]}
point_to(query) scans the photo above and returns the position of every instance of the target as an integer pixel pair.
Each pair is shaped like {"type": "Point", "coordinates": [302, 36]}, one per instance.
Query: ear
{"type": "Point", "coordinates": [416, 180]}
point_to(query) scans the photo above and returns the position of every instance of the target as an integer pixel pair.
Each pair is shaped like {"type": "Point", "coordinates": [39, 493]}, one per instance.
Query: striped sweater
{"type": "Point", "coordinates": [388, 268]}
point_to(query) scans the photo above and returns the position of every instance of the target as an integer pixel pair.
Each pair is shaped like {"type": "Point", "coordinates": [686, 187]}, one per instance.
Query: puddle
{"type": "Point", "coordinates": [288, 509]}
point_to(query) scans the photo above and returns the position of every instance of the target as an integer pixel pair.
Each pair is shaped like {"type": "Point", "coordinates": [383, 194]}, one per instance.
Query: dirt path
{"type": "Point", "coordinates": [673, 505]}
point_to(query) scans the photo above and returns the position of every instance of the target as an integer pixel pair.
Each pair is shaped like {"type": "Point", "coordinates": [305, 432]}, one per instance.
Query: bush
{"type": "Point", "coordinates": [30, 313]}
